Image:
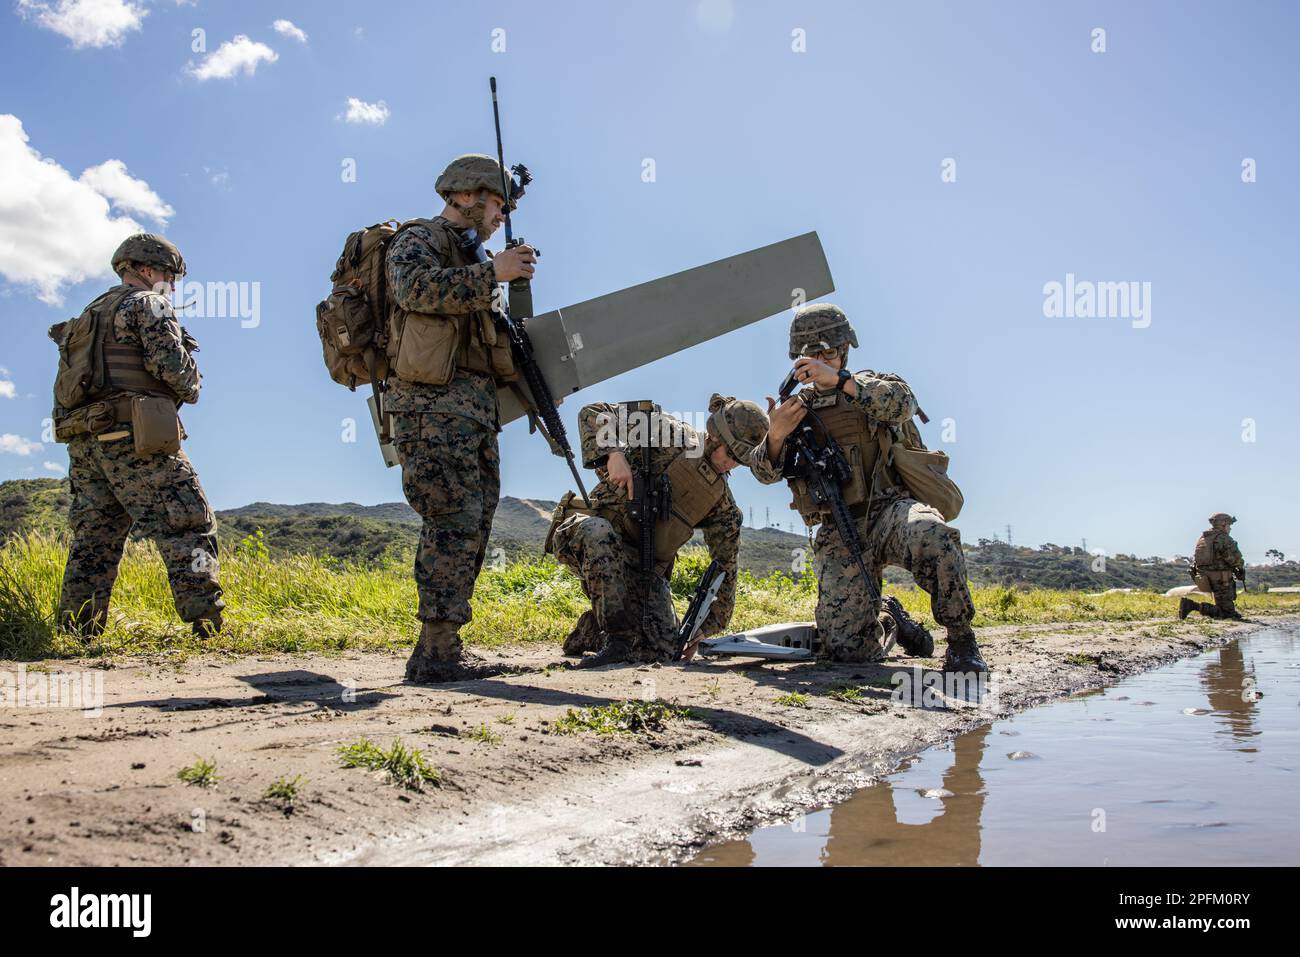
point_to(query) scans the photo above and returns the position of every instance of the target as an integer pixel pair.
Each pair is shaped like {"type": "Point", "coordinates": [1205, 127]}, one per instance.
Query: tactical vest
{"type": "Point", "coordinates": [696, 489]}
{"type": "Point", "coordinates": [430, 348]}
{"type": "Point", "coordinates": [855, 433]}
{"type": "Point", "coordinates": [124, 369]}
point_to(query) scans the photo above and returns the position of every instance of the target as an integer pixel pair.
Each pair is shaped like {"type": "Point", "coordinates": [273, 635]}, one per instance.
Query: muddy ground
{"type": "Point", "coordinates": [82, 789]}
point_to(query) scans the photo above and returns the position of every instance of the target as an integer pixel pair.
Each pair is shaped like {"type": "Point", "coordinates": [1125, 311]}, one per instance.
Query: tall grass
{"type": "Point", "coordinates": [305, 604]}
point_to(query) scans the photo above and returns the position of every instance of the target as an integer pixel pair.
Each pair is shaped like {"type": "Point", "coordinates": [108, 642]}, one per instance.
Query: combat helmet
{"type": "Point", "coordinates": [469, 174]}
{"type": "Point", "coordinates": [738, 424]}
{"type": "Point", "coordinates": [148, 250]}
{"type": "Point", "coordinates": [820, 326]}
{"type": "Point", "coordinates": [1222, 517]}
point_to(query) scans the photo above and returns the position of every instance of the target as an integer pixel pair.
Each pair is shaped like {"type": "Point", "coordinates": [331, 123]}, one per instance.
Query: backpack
{"type": "Point", "coordinates": [83, 373]}
{"type": "Point", "coordinates": [1203, 556]}
{"type": "Point", "coordinates": [352, 320]}
{"type": "Point", "coordinates": [922, 471]}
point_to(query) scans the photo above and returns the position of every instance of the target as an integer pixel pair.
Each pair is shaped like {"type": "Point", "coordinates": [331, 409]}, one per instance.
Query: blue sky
{"type": "Point", "coordinates": [1115, 166]}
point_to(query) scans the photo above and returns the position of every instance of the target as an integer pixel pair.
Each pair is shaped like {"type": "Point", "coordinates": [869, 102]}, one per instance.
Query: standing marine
{"type": "Point", "coordinates": [447, 360]}
{"type": "Point", "coordinates": [862, 412]}
{"type": "Point", "coordinates": [632, 616]}
{"type": "Point", "coordinates": [125, 367]}
{"type": "Point", "coordinates": [1216, 561]}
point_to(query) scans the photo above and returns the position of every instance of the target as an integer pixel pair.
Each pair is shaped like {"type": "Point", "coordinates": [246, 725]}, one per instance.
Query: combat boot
{"type": "Point", "coordinates": [914, 637]}
{"type": "Point", "coordinates": [963, 653]}
{"type": "Point", "coordinates": [617, 649]}
{"type": "Point", "coordinates": [586, 636]}
{"type": "Point", "coordinates": [209, 626]}
{"type": "Point", "coordinates": [439, 657]}
{"type": "Point", "coordinates": [1185, 607]}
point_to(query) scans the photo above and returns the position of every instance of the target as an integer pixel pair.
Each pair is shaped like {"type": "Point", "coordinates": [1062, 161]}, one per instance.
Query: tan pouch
{"type": "Point", "coordinates": [155, 425]}
{"type": "Point", "coordinates": [427, 352]}
{"type": "Point", "coordinates": [925, 473]}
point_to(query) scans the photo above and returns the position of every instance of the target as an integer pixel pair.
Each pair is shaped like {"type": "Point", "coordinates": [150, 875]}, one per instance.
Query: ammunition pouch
{"type": "Point", "coordinates": [93, 419]}
{"type": "Point", "coordinates": [155, 425]}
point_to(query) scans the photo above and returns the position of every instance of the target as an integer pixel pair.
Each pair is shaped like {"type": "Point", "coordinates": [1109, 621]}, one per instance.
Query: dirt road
{"type": "Point", "coordinates": [86, 788]}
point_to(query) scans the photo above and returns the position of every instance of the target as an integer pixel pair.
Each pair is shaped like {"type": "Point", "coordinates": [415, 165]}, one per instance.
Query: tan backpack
{"type": "Point", "coordinates": [1203, 556]}
{"type": "Point", "coordinates": [352, 320]}
{"type": "Point", "coordinates": [83, 372]}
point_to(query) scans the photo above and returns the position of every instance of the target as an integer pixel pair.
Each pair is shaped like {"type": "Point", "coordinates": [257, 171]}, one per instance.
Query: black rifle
{"type": "Point", "coordinates": [521, 346]}
{"type": "Point", "coordinates": [651, 498]}
{"type": "Point", "coordinates": [821, 464]}
{"type": "Point", "coordinates": [698, 610]}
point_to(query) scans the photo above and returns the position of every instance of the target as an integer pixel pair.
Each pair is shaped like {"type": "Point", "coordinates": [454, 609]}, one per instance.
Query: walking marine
{"type": "Point", "coordinates": [868, 416]}
{"type": "Point", "coordinates": [632, 615]}
{"type": "Point", "coordinates": [1216, 561]}
{"type": "Point", "coordinates": [125, 365]}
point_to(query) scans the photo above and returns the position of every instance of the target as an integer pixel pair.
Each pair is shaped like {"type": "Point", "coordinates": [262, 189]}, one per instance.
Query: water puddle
{"type": "Point", "coordinates": [1196, 763]}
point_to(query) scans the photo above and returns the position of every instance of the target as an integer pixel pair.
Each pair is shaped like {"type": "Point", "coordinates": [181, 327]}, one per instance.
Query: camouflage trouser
{"type": "Point", "coordinates": [1224, 589]}
{"type": "Point", "coordinates": [902, 532]}
{"type": "Point", "coordinates": [451, 474]}
{"type": "Point", "coordinates": [115, 488]}
{"type": "Point", "coordinates": [606, 564]}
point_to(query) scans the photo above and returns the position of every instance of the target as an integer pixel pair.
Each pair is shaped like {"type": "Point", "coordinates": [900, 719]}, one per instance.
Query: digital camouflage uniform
{"type": "Point", "coordinates": [605, 559]}
{"type": "Point", "coordinates": [1217, 575]}
{"type": "Point", "coordinates": [446, 435]}
{"type": "Point", "coordinates": [115, 489]}
{"type": "Point", "coordinates": [898, 530]}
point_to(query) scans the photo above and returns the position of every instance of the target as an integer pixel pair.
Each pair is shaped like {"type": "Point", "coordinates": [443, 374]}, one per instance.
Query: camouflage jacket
{"type": "Point", "coordinates": [419, 280]}
{"type": "Point", "coordinates": [147, 319]}
{"type": "Point", "coordinates": [887, 400]}
{"type": "Point", "coordinates": [599, 434]}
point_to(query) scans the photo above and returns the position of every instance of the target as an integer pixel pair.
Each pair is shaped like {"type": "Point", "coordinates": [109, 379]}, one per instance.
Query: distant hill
{"type": "Point", "coordinates": [376, 533]}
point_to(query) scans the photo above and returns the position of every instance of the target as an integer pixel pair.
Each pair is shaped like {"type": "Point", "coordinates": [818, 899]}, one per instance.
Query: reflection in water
{"type": "Point", "coordinates": [1136, 774]}
{"type": "Point", "coordinates": [1230, 688]}
{"type": "Point", "coordinates": [865, 829]}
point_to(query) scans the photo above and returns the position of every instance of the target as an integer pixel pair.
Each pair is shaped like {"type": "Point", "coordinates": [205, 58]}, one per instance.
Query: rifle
{"type": "Point", "coordinates": [822, 465]}
{"type": "Point", "coordinates": [521, 346]}
{"type": "Point", "coordinates": [698, 610]}
{"type": "Point", "coordinates": [650, 501]}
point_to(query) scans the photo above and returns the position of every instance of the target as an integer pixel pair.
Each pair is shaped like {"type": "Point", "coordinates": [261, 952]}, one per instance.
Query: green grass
{"type": "Point", "coordinates": [794, 699]}
{"type": "Point", "coordinates": [302, 604]}
{"type": "Point", "coordinates": [285, 790]}
{"type": "Point", "coordinates": [845, 693]}
{"type": "Point", "coordinates": [404, 767]}
{"type": "Point", "coordinates": [622, 717]}
{"type": "Point", "coordinates": [1086, 661]}
{"type": "Point", "coordinates": [484, 734]}
{"type": "Point", "coordinates": [201, 774]}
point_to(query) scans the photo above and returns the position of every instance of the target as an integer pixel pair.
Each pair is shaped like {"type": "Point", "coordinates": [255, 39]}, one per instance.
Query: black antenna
{"type": "Point", "coordinates": [501, 158]}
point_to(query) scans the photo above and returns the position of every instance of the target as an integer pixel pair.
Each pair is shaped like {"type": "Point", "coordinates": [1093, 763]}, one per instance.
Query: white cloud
{"type": "Point", "coordinates": [17, 445]}
{"type": "Point", "coordinates": [7, 390]}
{"type": "Point", "coordinates": [87, 23]}
{"type": "Point", "coordinates": [359, 111]}
{"type": "Point", "coordinates": [56, 468]}
{"type": "Point", "coordinates": [240, 55]}
{"type": "Point", "coordinates": [55, 230]}
{"type": "Point", "coordinates": [111, 180]}
{"type": "Point", "coordinates": [288, 29]}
